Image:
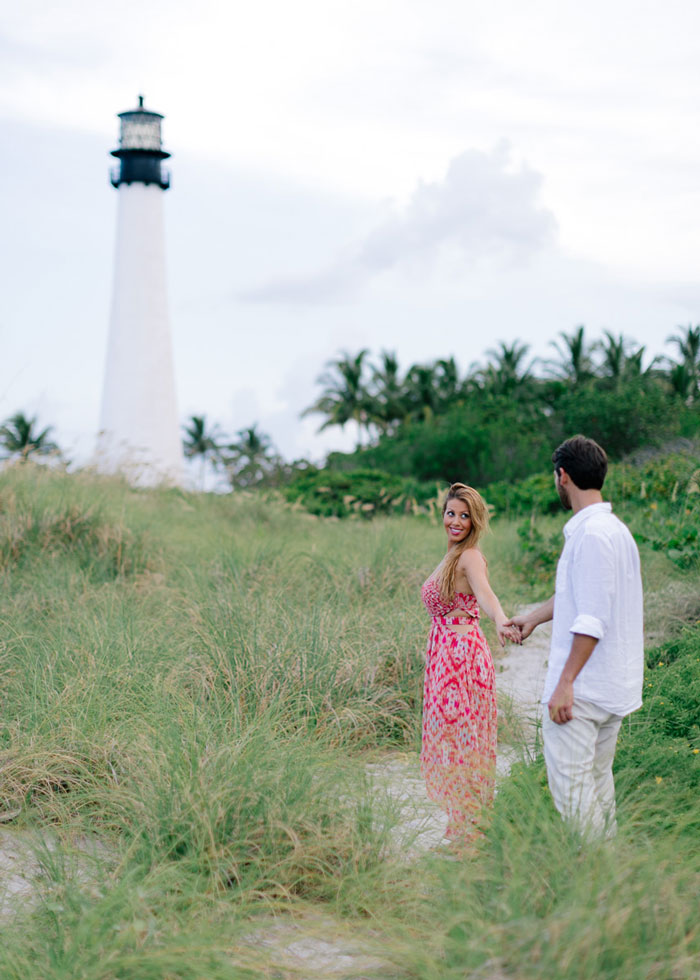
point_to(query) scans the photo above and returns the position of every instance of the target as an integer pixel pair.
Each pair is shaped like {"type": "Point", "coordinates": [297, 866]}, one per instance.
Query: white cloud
{"type": "Point", "coordinates": [483, 208]}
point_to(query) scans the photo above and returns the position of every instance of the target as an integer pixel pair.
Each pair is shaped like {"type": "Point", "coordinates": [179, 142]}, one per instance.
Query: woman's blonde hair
{"type": "Point", "coordinates": [479, 513]}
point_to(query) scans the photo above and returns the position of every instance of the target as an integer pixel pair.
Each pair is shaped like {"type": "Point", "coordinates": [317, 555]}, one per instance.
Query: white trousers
{"type": "Point", "coordinates": [579, 757]}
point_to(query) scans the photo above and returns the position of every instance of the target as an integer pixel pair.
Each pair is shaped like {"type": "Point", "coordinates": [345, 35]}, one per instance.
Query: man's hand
{"type": "Point", "coordinates": [561, 702]}
{"type": "Point", "coordinates": [526, 622]}
{"type": "Point", "coordinates": [523, 624]}
{"type": "Point", "coordinates": [508, 631]}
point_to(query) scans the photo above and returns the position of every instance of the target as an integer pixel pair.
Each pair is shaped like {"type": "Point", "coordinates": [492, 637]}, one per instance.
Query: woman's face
{"type": "Point", "coordinates": [457, 520]}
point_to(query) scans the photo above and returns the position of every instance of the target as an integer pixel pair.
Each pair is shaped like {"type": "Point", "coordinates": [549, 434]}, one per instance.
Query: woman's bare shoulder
{"type": "Point", "coordinates": [471, 559]}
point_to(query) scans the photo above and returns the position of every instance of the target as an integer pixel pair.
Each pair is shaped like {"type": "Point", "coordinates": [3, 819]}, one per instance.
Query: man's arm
{"type": "Point", "coordinates": [593, 589]}
{"type": "Point", "coordinates": [562, 699]}
{"type": "Point", "coordinates": [528, 621]}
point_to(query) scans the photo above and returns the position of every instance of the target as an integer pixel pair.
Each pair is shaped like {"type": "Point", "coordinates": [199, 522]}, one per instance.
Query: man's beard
{"type": "Point", "coordinates": [564, 496]}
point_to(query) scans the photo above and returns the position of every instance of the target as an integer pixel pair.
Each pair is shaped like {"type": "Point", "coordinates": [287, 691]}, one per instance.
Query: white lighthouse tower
{"type": "Point", "coordinates": [139, 432]}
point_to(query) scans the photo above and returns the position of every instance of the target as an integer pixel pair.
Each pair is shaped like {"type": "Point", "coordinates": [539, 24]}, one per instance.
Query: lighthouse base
{"type": "Point", "coordinates": [136, 464]}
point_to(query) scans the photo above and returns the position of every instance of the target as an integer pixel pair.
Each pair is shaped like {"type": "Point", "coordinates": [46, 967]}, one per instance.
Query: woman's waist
{"type": "Point", "coordinates": [456, 619]}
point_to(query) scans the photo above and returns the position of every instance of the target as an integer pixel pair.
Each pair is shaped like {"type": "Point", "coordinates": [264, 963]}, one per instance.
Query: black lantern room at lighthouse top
{"type": "Point", "coordinates": [140, 152]}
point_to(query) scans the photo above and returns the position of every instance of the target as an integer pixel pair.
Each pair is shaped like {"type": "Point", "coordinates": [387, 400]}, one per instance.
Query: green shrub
{"type": "Point", "coordinates": [666, 511]}
{"type": "Point", "coordinates": [672, 479]}
{"type": "Point", "coordinates": [535, 494]}
{"type": "Point", "coordinates": [665, 477]}
{"type": "Point", "coordinates": [358, 493]}
{"type": "Point", "coordinates": [540, 550]}
{"type": "Point", "coordinates": [658, 756]}
{"type": "Point", "coordinates": [676, 535]}
{"type": "Point", "coordinates": [477, 442]}
{"type": "Point", "coordinates": [619, 417]}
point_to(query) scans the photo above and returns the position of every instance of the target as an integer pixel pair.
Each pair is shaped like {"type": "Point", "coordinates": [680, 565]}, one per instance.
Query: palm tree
{"type": "Point", "coordinates": [633, 364]}
{"type": "Point", "coordinates": [386, 395]}
{"type": "Point", "coordinates": [685, 377]}
{"type": "Point", "coordinates": [688, 345]}
{"type": "Point", "coordinates": [621, 361]}
{"type": "Point", "coordinates": [575, 364]}
{"type": "Point", "coordinates": [421, 396]}
{"type": "Point", "coordinates": [18, 437]}
{"type": "Point", "coordinates": [251, 458]}
{"type": "Point", "coordinates": [446, 380]}
{"type": "Point", "coordinates": [506, 375]}
{"type": "Point", "coordinates": [614, 351]}
{"type": "Point", "coordinates": [344, 397]}
{"type": "Point", "coordinates": [202, 442]}
{"type": "Point", "coordinates": [683, 382]}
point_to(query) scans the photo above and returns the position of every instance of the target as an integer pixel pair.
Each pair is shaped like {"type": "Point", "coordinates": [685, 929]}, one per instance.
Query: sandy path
{"type": "Point", "coordinates": [23, 854]}
{"type": "Point", "coordinates": [520, 674]}
{"type": "Point", "coordinates": [18, 868]}
{"type": "Point", "coordinates": [319, 947]}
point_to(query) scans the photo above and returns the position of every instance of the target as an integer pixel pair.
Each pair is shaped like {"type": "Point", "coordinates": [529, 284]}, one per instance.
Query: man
{"type": "Point", "coordinates": [596, 660]}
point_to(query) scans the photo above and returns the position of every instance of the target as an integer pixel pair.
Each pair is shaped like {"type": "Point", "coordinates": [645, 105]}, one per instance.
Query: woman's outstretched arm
{"type": "Point", "coordinates": [473, 564]}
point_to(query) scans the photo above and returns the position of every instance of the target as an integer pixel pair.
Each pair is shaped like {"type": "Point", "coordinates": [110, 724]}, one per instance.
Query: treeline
{"type": "Point", "coordinates": [246, 460]}
{"type": "Point", "coordinates": [497, 422]}
{"type": "Point", "coordinates": [501, 420]}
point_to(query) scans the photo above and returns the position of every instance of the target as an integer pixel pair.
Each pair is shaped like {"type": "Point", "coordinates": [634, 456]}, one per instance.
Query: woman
{"type": "Point", "coordinates": [458, 757]}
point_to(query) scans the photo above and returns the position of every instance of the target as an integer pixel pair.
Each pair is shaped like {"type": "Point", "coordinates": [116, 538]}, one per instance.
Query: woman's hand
{"type": "Point", "coordinates": [523, 624]}
{"type": "Point", "coordinates": [508, 631]}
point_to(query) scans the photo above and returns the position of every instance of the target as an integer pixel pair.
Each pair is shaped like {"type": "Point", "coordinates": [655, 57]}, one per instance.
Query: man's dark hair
{"type": "Point", "coordinates": [584, 460]}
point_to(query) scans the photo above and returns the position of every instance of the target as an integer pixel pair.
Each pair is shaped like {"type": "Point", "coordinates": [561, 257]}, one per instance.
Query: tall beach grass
{"type": "Point", "coordinates": [195, 684]}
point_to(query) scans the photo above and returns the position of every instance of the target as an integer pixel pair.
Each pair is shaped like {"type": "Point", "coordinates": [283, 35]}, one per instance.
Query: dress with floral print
{"type": "Point", "coordinates": [458, 755]}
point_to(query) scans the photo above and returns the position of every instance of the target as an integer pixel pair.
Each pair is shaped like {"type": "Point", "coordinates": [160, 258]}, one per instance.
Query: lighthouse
{"type": "Point", "coordinates": [139, 433]}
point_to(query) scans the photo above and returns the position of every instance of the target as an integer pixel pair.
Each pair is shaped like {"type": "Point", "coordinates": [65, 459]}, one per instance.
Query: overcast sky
{"type": "Point", "coordinates": [424, 176]}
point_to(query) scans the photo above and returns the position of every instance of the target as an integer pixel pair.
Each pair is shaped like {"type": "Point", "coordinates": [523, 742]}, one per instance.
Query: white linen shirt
{"type": "Point", "coordinates": [599, 593]}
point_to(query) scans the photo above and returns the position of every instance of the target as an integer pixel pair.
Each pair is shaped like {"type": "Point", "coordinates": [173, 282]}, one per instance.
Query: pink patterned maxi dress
{"type": "Point", "coordinates": [458, 756]}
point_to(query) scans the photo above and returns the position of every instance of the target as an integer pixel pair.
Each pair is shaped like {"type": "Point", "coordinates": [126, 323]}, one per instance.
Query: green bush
{"type": "Point", "coordinates": [540, 550]}
{"type": "Point", "coordinates": [663, 477]}
{"type": "Point", "coordinates": [620, 417]}
{"type": "Point", "coordinates": [659, 745]}
{"type": "Point", "coordinates": [662, 506]}
{"type": "Point", "coordinates": [358, 493]}
{"type": "Point", "coordinates": [477, 441]}
{"type": "Point", "coordinates": [484, 437]}
{"type": "Point", "coordinates": [675, 534]}
{"type": "Point", "coordinates": [535, 494]}
{"type": "Point", "coordinates": [671, 478]}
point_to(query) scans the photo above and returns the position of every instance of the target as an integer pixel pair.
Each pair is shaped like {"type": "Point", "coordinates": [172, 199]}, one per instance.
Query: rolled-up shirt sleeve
{"type": "Point", "coordinates": [593, 580]}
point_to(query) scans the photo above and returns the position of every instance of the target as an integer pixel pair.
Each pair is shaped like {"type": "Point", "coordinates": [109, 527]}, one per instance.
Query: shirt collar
{"type": "Point", "coordinates": [574, 522]}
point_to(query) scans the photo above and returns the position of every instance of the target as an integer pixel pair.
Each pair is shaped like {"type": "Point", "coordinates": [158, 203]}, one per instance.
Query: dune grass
{"type": "Point", "coordinates": [195, 683]}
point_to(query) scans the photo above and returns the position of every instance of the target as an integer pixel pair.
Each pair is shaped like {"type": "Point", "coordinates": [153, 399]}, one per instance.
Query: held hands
{"type": "Point", "coordinates": [523, 625]}
{"type": "Point", "coordinates": [527, 621]}
{"type": "Point", "coordinates": [508, 631]}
